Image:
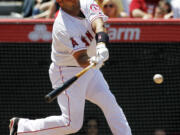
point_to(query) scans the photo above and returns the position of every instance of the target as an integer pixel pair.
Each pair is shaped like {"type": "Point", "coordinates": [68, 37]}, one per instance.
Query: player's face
{"type": "Point", "coordinates": [70, 5]}
{"type": "Point", "coordinates": [100, 1]}
{"type": "Point", "coordinates": [67, 3]}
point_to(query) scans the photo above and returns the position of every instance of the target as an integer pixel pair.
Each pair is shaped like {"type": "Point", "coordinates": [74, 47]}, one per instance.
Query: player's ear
{"type": "Point", "coordinates": [58, 1]}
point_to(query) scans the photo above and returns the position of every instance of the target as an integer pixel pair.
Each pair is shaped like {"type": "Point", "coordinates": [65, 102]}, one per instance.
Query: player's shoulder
{"type": "Point", "coordinates": [89, 6]}
{"type": "Point", "coordinates": [86, 3]}
{"type": "Point", "coordinates": [59, 26]}
{"type": "Point", "coordinates": [58, 22]}
{"type": "Point", "coordinates": [63, 27]}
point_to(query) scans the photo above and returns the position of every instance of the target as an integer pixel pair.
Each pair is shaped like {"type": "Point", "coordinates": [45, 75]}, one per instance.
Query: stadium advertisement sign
{"type": "Point", "coordinates": [40, 31]}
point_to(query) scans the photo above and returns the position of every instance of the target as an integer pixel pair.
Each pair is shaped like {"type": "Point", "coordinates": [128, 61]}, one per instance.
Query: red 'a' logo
{"type": "Point", "coordinates": [84, 40]}
{"type": "Point", "coordinates": [74, 43]}
{"type": "Point", "coordinates": [88, 34]}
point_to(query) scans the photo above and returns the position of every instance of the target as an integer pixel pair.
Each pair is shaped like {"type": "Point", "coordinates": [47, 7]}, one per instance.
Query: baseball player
{"type": "Point", "coordinates": [79, 38]}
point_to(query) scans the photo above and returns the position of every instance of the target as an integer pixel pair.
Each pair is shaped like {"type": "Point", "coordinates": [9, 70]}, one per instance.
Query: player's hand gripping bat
{"type": "Point", "coordinates": [54, 93]}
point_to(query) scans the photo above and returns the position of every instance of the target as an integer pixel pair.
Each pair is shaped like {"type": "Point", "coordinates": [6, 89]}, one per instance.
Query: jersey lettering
{"type": "Point", "coordinates": [88, 34]}
{"type": "Point", "coordinates": [94, 7]}
{"type": "Point", "coordinates": [74, 43]}
{"type": "Point", "coordinates": [84, 40]}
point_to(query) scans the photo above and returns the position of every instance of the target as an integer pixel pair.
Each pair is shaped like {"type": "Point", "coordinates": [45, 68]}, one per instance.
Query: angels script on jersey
{"type": "Point", "coordinates": [83, 39]}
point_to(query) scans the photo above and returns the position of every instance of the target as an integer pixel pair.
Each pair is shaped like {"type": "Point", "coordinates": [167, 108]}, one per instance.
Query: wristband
{"type": "Point", "coordinates": [102, 37]}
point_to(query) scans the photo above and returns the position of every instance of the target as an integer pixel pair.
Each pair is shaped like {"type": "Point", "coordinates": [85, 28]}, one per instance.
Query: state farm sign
{"type": "Point", "coordinates": [120, 34]}
{"type": "Point", "coordinates": [40, 33]}
{"type": "Point", "coordinates": [139, 31]}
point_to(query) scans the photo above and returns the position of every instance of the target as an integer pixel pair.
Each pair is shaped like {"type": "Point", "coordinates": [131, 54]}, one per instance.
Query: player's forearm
{"type": "Point", "coordinates": [82, 58]}
{"type": "Point", "coordinates": [102, 39]}
{"type": "Point", "coordinates": [84, 61]}
{"type": "Point", "coordinates": [98, 25]}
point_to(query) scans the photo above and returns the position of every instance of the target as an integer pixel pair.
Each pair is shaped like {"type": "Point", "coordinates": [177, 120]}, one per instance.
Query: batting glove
{"type": "Point", "coordinates": [98, 61]}
{"type": "Point", "coordinates": [102, 52]}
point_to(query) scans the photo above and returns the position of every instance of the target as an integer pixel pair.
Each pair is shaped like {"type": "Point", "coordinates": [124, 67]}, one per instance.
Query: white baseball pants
{"type": "Point", "coordinates": [91, 86]}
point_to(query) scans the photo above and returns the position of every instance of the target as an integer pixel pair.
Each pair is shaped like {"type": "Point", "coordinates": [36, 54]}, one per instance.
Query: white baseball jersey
{"type": "Point", "coordinates": [72, 34]}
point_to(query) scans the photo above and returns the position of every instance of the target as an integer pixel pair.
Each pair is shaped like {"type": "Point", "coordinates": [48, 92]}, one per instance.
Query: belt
{"type": "Point", "coordinates": [71, 66]}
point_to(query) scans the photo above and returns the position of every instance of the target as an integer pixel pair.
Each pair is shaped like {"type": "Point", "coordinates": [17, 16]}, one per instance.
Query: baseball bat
{"type": "Point", "coordinates": [54, 93]}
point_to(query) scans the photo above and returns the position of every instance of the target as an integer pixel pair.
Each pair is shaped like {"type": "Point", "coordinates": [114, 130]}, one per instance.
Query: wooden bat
{"type": "Point", "coordinates": [54, 93]}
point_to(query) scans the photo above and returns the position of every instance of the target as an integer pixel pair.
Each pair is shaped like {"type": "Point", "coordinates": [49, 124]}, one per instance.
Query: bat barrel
{"type": "Point", "coordinates": [48, 98]}
{"type": "Point", "coordinates": [52, 95]}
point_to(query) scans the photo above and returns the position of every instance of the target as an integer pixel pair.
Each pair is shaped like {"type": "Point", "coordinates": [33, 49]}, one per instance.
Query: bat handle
{"type": "Point", "coordinates": [85, 70]}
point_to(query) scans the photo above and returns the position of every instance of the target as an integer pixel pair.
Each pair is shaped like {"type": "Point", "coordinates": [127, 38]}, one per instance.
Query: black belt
{"type": "Point", "coordinates": [71, 66]}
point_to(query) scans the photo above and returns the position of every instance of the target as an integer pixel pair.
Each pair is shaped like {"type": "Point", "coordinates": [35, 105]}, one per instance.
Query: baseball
{"type": "Point", "coordinates": [158, 78]}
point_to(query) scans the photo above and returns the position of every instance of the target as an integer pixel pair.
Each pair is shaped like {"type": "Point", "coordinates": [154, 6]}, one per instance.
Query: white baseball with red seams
{"type": "Point", "coordinates": [71, 34]}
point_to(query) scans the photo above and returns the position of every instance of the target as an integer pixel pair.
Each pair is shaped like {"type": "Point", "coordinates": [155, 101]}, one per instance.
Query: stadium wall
{"type": "Point", "coordinates": [138, 50]}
